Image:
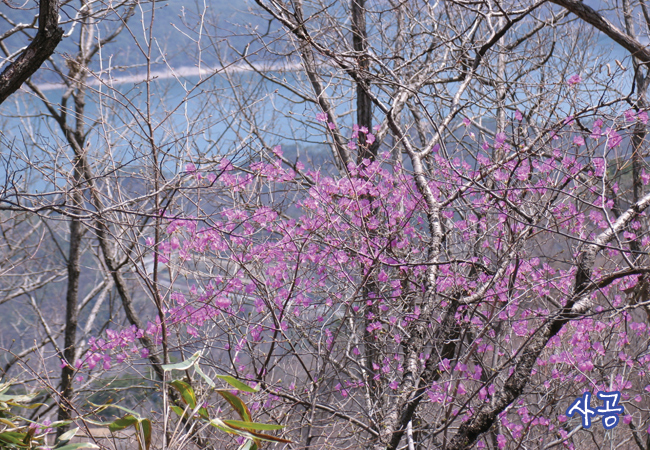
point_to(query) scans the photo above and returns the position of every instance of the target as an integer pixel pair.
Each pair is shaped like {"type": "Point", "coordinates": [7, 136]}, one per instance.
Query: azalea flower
{"type": "Point", "coordinates": [575, 79]}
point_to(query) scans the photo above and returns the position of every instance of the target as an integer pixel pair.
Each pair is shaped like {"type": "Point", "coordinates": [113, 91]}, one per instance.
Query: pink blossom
{"type": "Point", "coordinates": [573, 80]}
{"type": "Point", "coordinates": [596, 133]}
{"type": "Point", "coordinates": [321, 117]}
{"type": "Point", "coordinates": [518, 115]}
{"type": "Point", "coordinates": [614, 139]}
{"type": "Point", "coordinates": [225, 165]}
{"type": "Point", "coordinates": [630, 115]}
{"type": "Point", "coordinates": [599, 166]}
{"type": "Point", "coordinates": [499, 139]}
{"type": "Point", "coordinates": [352, 145]}
{"type": "Point", "coordinates": [645, 177]}
{"type": "Point", "coordinates": [190, 168]}
{"type": "Point", "coordinates": [370, 139]}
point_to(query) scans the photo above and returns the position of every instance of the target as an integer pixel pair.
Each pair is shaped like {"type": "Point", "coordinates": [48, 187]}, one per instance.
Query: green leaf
{"type": "Point", "coordinates": [24, 405]}
{"type": "Point", "coordinates": [252, 425]}
{"type": "Point", "coordinates": [65, 437]}
{"type": "Point", "coordinates": [110, 405]}
{"type": "Point", "coordinates": [59, 423]}
{"type": "Point", "coordinates": [222, 425]}
{"type": "Point", "coordinates": [144, 426]}
{"type": "Point", "coordinates": [76, 446]}
{"type": "Point", "coordinates": [8, 422]}
{"type": "Point", "coordinates": [17, 398]}
{"type": "Point", "coordinates": [268, 437]}
{"type": "Point", "coordinates": [29, 436]}
{"type": "Point", "coordinates": [123, 423]}
{"type": "Point", "coordinates": [234, 382]}
{"type": "Point", "coordinates": [183, 365]}
{"type": "Point", "coordinates": [178, 410]}
{"type": "Point", "coordinates": [13, 437]}
{"type": "Point", "coordinates": [205, 377]}
{"type": "Point", "coordinates": [186, 392]}
{"type": "Point", "coordinates": [237, 404]}
{"type": "Point", "coordinates": [203, 413]}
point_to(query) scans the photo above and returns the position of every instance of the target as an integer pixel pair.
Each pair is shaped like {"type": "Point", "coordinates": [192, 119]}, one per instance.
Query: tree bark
{"type": "Point", "coordinates": [364, 102]}
{"type": "Point", "coordinates": [42, 47]}
{"type": "Point", "coordinates": [593, 18]}
{"type": "Point", "coordinates": [71, 313]}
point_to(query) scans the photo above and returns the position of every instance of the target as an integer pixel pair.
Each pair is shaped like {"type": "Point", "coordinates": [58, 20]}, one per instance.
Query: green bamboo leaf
{"type": "Point", "coordinates": [123, 423]}
{"type": "Point", "coordinates": [183, 365]}
{"type": "Point", "coordinates": [8, 422]}
{"type": "Point", "coordinates": [144, 426]}
{"type": "Point", "coordinates": [178, 410]}
{"type": "Point", "coordinates": [110, 405]}
{"type": "Point", "coordinates": [29, 436]}
{"type": "Point", "coordinates": [65, 437]}
{"type": "Point", "coordinates": [24, 398]}
{"type": "Point", "coordinates": [218, 423]}
{"type": "Point", "coordinates": [252, 425]}
{"type": "Point", "coordinates": [13, 437]}
{"type": "Point", "coordinates": [203, 413]}
{"type": "Point", "coordinates": [204, 376]}
{"type": "Point", "coordinates": [222, 425]}
{"type": "Point", "coordinates": [234, 382]}
{"type": "Point", "coordinates": [59, 423]}
{"type": "Point", "coordinates": [186, 392]}
{"type": "Point", "coordinates": [95, 422]}
{"type": "Point", "coordinates": [237, 404]}
{"type": "Point", "coordinates": [269, 438]}
{"type": "Point", "coordinates": [76, 446]}
{"type": "Point", "coordinates": [23, 405]}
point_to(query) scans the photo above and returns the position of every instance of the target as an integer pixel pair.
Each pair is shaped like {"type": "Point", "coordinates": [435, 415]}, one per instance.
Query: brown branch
{"type": "Point", "coordinates": [47, 38]}
{"type": "Point", "coordinates": [593, 18]}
